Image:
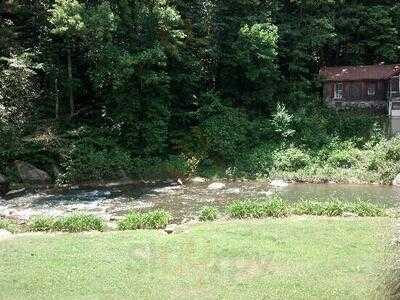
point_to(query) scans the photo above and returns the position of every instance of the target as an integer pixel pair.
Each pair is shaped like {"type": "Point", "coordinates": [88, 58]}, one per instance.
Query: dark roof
{"type": "Point", "coordinates": [353, 73]}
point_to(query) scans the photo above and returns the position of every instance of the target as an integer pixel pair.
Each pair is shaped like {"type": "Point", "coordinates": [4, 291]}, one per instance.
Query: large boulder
{"type": "Point", "coordinates": [4, 185]}
{"type": "Point", "coordinates": [30, 173]}
{"type": "Point", "coordinates": [396, 181]}
{"type": "Point", "coordinates": [216, 186]}
{"type": "Point", "coordinates": [278, 183]}
{"type": "Point", "coordinates": [198, 180]}
{"type": "Point", "coordinates": [4, 234]}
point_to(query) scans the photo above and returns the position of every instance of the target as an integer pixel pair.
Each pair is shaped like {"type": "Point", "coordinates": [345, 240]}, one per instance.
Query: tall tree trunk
{"type": "Point", "coordinates": [71, 92]}
{"type": "Point", "coordinates": [57, 98]}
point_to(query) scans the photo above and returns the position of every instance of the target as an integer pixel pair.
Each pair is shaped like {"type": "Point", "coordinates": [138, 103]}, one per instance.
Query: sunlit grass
{"type": "Point", "coordinates": [292, 258]}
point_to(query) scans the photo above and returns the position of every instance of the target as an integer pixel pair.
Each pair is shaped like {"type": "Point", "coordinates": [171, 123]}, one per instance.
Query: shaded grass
{"type": "Point", "coordinates": [292, 258]}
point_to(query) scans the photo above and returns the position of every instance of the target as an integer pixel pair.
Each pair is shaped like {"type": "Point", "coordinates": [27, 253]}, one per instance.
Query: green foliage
{"type": "Point", "coordinates": [71, 223]}
{"type": "Point", "coordinates": [334, 208]}
{"type": "Point", "coordinates": [277, 208]}
{"type": "Point", "coordinates": [309, 208]}
{"type": "Point", "coordinates": [337, 208]}
{"type": "Point", "coordinates": [19, 96]}
{"type": "Point", "coordinates": [79, 223]}
{"type": "Point", "coordinates": [366, 209]}
{"type": "Point", "coordinates": [9, 225]}
{"type": "Point", "coordinates": [152, 220]}
{"type": "Point", "coordinates": [257, 162]}
{"type": "Point", "coordinates": [282, 122]}
{"type": "Point", "coordinates": [291, 159]}
{"type": "Point", "coordinates": [42, 223]}
{"type": "Point", "coordinates": [344, 158]}
{"type": "Point", "coordinates": [257, 46]}
{"type": "Point", "coordinates": [132, 221]}
{"type": "Point", "coordinates": [88, 163]}
{"type": "Point", "coordinates": [225, 133]}
{"type": "Point", "coordinates": [176, 167]}
{"type": "Point", "coordinates": [176, 87]}
{"type": "Point", "coordinates": [274, 207]}
{"type": "Point", "coordinates": [208, 213]}
{"type": "Point", "coordinates": [66, 18]}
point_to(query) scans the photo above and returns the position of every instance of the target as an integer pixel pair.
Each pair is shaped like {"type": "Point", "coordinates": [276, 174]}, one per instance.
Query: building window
{"type": "Point", "coordinates": [355, 91]}
{"type": "Point", "coordinates": [371, 89]}
{"type": "Point", "coordinates": [338, 94]}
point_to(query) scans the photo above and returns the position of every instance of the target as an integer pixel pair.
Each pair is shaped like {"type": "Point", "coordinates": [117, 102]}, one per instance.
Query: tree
{"type": "Point", "coordinates": [67, 21]}
{"type": "Point", "coordinates": [130, 72]}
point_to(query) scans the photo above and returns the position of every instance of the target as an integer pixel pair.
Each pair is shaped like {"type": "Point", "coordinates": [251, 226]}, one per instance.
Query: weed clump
{"type": "Point", "coordinates": [151, 220]}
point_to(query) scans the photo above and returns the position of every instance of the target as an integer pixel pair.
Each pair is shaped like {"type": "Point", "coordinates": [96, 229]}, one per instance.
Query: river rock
{"type": "Point", "coordinates": [216, 186]}
{"type": "Point", "coordinates": [266, 193]}
{"type": "Point", "coordinates": [4, 185]}
{"type": "Point", "coordinates": [396, 181]}
{"type": "Point", "coordinates": [278, 183]}
{"type": "Point", "coordinates": [198, 180]}
{"type": "Point", "coordinates": [30, 173]}
{"type": "Point", "coordinates": [4, 234]}
{"type": "Point", "coordinates": [233, 191]}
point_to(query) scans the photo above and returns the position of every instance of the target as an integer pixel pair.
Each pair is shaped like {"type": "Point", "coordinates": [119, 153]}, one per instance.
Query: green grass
{"type": "Point", "coordinates": [9, 225]}
{"type": "Point", "coordinates": [292, 258]}
{"type": "Point", "coordinates": [208, 213]}
{"type": "Point", "coordinates": [68, 223]}
{"type": "Point", "coordinates": [157, 219]}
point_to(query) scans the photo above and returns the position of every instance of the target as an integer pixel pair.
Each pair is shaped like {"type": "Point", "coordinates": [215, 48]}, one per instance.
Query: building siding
{"type": "Point", "coordinates": [355, 93]}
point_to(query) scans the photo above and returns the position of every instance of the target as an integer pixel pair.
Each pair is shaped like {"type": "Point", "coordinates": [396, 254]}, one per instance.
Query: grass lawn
{"type": "Point", "coordinates": [290, 258]}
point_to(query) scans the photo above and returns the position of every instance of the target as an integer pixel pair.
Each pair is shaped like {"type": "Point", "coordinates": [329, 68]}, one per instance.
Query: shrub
{"type": "Point", "coordinates": [208, 214]}
{"type": "Point", "coordinates": [9, 225]}
{"type": "Point", "coordinates": [79, 223]}
{"type": "Point", "coordinates": [132, 221]}
{"type": "Point", "coordinates": [42, 223]}
{"type": "Point", "coordinates": [224, 131]}
{"type": "Point", "coordinates": [309, 208]}
{"type": "Point", "coordinates": [72, 223]}
{"type": "Point", "coordinates": [365, 209]}
{"type": "Point", "coordinates": [244, 209]}
{"type": "Point", "coordinates": [176, 167]}
{"type": "Point", "coordinates": [393, 149]}
{"type": "Point", "coordinates": [282, 122]}
{"type": "Point", "coordinates": [157, 219]}
{"type": "Point", "coordinates": [93, 159]}
{"type": "Point", "coordinates": [291, 159]}
{"type": "Point", "coordinates": [152, 220]}
{"type": "Point", "coordinates": [257, 162]}
{"type": "Point", "coordinates": [275, 207]}
{"type": "Point", "coordinates": [337, 208]}
{"type": "Point", "coordinates": [345, 158]}
{"type": "Point", "coordinates": [334, 208]}
{"type": "Point", "coordinates": [383, 159]}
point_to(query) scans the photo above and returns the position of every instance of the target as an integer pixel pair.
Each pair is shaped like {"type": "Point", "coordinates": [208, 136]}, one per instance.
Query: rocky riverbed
{"type": "Point", "coordinates": [182, 200]}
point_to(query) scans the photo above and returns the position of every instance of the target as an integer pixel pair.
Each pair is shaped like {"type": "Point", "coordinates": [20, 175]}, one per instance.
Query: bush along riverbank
{"type": "Point", "coordinates": [314, 145]}
{"type": "Point", "coordinates": [273, 207]}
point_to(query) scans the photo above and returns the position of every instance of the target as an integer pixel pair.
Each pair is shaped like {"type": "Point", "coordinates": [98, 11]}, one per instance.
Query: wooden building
{"type": "Point", "coordinates": [376, 86]}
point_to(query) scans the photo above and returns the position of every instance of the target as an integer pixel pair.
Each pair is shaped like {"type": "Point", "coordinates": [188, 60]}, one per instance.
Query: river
{"type": "Point", "coordinates": [182, 201]}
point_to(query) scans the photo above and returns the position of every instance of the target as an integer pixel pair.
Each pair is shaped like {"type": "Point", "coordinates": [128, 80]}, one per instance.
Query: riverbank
{"type": "Point", "coordinates": [298, 257]}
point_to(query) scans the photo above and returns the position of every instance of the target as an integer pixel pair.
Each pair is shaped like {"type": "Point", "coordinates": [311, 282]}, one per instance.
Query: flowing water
{"type": "Point", "coordinates": [183, 201]}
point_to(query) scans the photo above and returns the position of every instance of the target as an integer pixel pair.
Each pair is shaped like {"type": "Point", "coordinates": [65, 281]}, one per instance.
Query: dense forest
{"type": "Point", "coordinates": [96, 90]}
